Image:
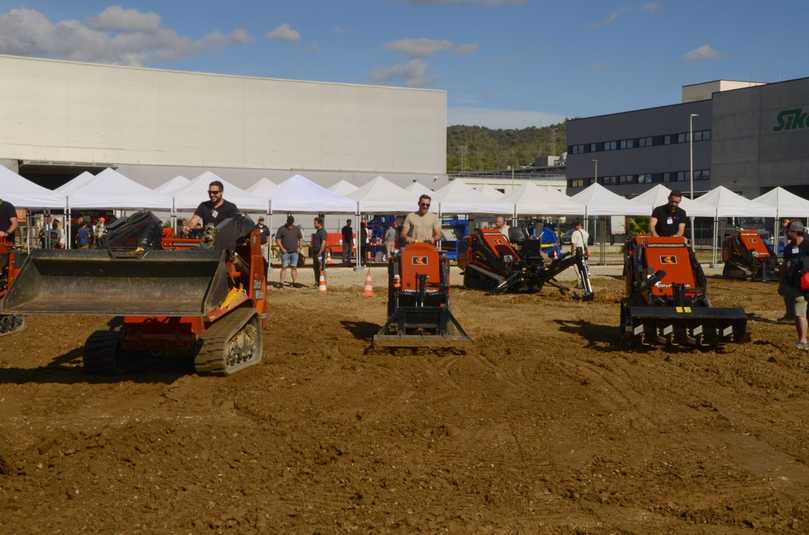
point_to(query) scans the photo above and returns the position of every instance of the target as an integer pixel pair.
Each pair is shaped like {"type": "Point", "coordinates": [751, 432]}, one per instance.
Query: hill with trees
{"type": "Point", "coordinates": [476, 148]}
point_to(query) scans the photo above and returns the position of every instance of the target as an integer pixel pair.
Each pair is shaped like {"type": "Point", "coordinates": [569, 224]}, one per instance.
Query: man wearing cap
{"type": "Point", "coordinates": [669, 219]}
{"type": "Point", "coordinates": [796, 262]}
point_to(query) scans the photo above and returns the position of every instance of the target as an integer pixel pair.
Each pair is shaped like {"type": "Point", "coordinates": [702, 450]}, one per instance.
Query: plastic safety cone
{"type": "Point", "coordinates": [322, 283]}
{"type": "Point", "coordinates": [368, 291]}
{"type": "Point", "coordinates": [328, 256]}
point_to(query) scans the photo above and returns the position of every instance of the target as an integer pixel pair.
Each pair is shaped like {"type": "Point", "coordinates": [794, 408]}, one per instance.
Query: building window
{"type": "Point", "coordinates": [667, 177]}
{"type": "Point", "coordinates": [706, 135]}
{"type": "Point", "coordinates": [645, 179]}
{"type": "Point", "coordinates": [697, 136]}
{"type": "Point", "coordinates": [682, 137]}
{"type": "Point", "coordinates": [645, 142]}
{"type": "Point", "coordinates": [667, 140]}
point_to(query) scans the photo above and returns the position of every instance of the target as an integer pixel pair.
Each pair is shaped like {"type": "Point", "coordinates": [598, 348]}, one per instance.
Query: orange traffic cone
{"type": "Point", "coordinates": [368, 291]}
{"type": "Point", "coordinates": [328, 256]}
{"type": "Point", "coordinates": [322, 282]}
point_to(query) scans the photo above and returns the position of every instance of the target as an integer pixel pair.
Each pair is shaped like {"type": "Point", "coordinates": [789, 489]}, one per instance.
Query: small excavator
{"type": "Point", "coordinates": [493, 262]}
{"type": "Point", "coordinates": [748, 257]}
{"type": "Point", "coordinates": [666, 298]}
{"type": "Point", "coordinates": [202, 298]}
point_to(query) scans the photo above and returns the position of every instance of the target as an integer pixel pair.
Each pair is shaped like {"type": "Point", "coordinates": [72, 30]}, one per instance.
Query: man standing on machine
{"type": "Point", "coordinates": [669, 219]}
{"type": "Point", "coordinates": [214, 211]}
{"type": "Point", "coordinates": [421, 226]}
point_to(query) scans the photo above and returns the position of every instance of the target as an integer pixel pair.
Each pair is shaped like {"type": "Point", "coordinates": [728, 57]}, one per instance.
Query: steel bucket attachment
{"type": "Point", "coordinates": [97, 282]}
{"type": "Point", "coordinates": [700, 325]}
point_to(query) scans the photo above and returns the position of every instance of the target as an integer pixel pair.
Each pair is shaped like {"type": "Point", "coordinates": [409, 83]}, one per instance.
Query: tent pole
{"type": "Point", "coordinates": [68, 228]}
{"type": "Point", "coordinates": [173, 216]}
{"type": "Point", "coordinates": [358, 235]}
{"type": "Point", "coordinates": [269, 238]}
{"type": "Point", "coordinates": [28, 230]}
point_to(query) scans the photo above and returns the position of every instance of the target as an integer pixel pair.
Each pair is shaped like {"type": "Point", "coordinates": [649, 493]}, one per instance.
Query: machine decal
{"type": "Point", "coordinates": [420, 260]}
{"type": "Point", "coordinates": [668, 259]}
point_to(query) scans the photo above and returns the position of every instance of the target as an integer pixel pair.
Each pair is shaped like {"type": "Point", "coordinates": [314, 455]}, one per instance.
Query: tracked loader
{"type": "Point", "coordinates": [748, 257]}
{"type": "Point", "coordinates": [666, 299]}
{"type": "Point", "coordinates": [205, 299]}
{"type": "Point", "coordinates": [9, 268]}
{"type": "Point", "coordinates": [418, 301]}
{"type": "Point", "coordinates": [492, 262]}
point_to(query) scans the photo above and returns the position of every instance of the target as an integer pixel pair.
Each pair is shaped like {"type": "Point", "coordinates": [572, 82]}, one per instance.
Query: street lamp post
{"type": "Point", "coordinates": [691, 167]}
{"type": "Point", "coordinates": [595, 171]}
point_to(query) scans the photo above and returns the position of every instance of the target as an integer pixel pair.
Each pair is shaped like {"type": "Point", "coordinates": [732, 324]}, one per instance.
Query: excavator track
{"type": "Point", "coordinates": [101, 353]}
{"type": "Point", "coordinates": [231, 344]}
{"type": "Point", "coordinates": [11, 323]}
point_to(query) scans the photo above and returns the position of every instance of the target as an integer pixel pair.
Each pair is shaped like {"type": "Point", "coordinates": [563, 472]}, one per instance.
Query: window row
{"type": "Point", "coordinates": [640, 142]}
{"type": "Point", "coordinates": [644, 178]}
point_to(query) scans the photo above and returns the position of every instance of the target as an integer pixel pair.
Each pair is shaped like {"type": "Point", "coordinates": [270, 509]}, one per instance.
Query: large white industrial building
{"type": "Point", "coordinates": [60, 118]}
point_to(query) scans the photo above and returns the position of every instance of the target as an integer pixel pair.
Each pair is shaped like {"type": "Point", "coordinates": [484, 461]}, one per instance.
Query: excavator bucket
{"type": "Point", "coordinates": [99, 282]}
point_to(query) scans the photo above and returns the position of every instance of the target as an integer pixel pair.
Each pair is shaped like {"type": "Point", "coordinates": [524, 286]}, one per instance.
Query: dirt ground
{"type": "Point", "coordinates": [543, 426]}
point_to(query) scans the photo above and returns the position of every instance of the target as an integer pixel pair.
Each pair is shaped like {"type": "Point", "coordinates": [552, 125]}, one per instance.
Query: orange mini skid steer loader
{"type": "Point", "coordinates": [9, 269]}
{"type": "Point", "coordinates": [748, 257]}
{"type": "Point", "coordinates": [175, 296]}
{"type": "Point", "coordinates": [418, 301]}
{"type": "Point", "coordinates": [666, 297]}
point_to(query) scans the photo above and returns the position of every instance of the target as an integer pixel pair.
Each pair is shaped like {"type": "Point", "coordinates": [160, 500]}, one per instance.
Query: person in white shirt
{"type": "Point", "coordinates": [500, 224]}
{"type": "Point", "coordinates": [579, 240]}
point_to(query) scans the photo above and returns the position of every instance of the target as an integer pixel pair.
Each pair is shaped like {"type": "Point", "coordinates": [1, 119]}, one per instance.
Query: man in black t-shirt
{"type": "Point", "coordinates": [669, 219]}
{"type": "Point", "coordinates": [8, 220]}
{"type": "Point", "coordinates": [796, 262]}
{"type": "Point", "coordinates": [318, 249]}
{"type": "Point", "coordinates": [347, 234]}
{"type": "Point", "coordinates": [212, 212]}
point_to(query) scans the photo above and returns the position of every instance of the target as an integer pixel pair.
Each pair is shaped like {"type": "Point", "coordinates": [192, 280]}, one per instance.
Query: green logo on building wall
{"type": "Point", "coordinates": [792, 120]}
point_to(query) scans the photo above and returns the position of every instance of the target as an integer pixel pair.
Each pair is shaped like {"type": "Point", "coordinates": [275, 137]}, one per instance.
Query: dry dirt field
{"type": "Point", "coordinates": [543, 426]}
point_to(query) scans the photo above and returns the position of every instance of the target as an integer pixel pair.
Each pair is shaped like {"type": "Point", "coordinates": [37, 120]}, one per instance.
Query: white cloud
{"type": "Point", "coordinates": [652, 7]}
{"type": "Point", "coordinates": [704, 52]}
{"type": "Point", "coordinates": [422, 47]}
{"type": "Point", "coordinates": [241, 36]}
{"type": "Point", "coordinates": [500, 118]}
{"type": "Point", "coordinates": [486, 3]}
{"type": "Point", "coordinates": [414, 73]}
{"type": "Point", "coordinates": [116, 35]}
{"type": "Point", "coordinates": [284, 33]}
{"type": "Point", "coordinates": [609, 19]}
{"type": "Point", "coordinates": [118, 19]}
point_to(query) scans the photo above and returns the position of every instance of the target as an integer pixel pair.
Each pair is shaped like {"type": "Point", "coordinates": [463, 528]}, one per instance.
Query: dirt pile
{"type": "Point", "coordinates": [544, 425]}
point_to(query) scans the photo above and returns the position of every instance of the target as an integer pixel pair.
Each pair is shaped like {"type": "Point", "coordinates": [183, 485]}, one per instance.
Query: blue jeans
{"type": "Point", "coordinates": [289, 260]}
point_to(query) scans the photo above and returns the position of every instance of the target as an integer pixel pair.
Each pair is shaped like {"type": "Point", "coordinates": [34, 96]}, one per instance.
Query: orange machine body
{"type": "Point", "coordinates": [752, 240]}
{"type": "Point", "coordinates": [671, 255]}
{"type": "Point", "coordinates": [420, 259]}
{"type": "Point", "coordinates": [157, 333]}
{"type": "Point", "coordinates": [7, 248]}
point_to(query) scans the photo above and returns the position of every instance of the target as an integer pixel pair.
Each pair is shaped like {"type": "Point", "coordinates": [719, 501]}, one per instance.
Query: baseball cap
{"type": "Point", "coordinates": [796, 226]}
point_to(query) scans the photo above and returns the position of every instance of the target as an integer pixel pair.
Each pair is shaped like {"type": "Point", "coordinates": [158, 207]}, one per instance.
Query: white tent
{"type": "Point", "coordinates": [786, 204]}
{"type": "Point", "coordinates": [343, 188]}
{"type": "Point", "coordinates": [299, 194]}
{"type": "Point", "coordinates": [491, 193]}
{"type": "Point", "coordinates": [659, 195]}
{"type": "Point", "coordinates": [109, 189]}
{"type": "Point", "coordinates": [72, 185]}
{"type": "Point", "coordinates": [178, 182]}
{"type": "Point", "coordinates": [598, 201]}
{"type": "Point", "coordinates": [263, 188]}
{"type": "Point", "coordinates": [23, 193]}
{"type": "Point", "coordinates": [380, 195]}
{"type": "Point", "coordinates": [531, 199]}
{"type": "Point", "coordinates": [419, 189]}
{"type": "Point", "coordinates": [726, 203]}
{"type": "Point", "coordinates": [189, 197]}
{"type": "Point", "coordinates": [458, 198]}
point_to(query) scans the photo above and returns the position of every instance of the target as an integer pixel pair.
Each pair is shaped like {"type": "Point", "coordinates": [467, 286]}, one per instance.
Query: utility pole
{"type": "Point", "coordinates": [595, 171]}
{"type": "Point", "coordinates": [691, 166]}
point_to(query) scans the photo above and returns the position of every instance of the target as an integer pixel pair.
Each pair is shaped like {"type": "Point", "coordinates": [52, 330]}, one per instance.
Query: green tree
{"type": "Point", "coordinates": [475, 148]}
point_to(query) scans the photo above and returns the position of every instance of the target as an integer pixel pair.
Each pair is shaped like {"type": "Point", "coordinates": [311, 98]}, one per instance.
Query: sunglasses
{"type": "Point", "coordinates": [212, 192]}
{"type": "Point", "coordinates": [424, 204]}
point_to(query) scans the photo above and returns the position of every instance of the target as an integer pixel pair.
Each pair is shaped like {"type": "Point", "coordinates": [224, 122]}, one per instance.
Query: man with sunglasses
{"type": "Point", "coordinates": [421, 226]}
{"type": "Point", "coordinates": [214, 211]}
{"type": "Point", "coordinates": [669, 219]}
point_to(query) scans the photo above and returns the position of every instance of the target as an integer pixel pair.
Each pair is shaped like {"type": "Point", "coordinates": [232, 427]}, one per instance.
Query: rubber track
{"type": "Point", "coordinates": [10, 324]}
{"type": "Point", "coordinates": [211, 357]}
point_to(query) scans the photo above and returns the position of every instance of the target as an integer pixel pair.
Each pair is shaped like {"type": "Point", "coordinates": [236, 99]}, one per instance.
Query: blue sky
{"type": "Point", "coordinates": [504, 63]}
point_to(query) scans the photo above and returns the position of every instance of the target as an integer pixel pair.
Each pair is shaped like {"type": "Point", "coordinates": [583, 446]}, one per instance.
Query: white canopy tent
{"type": "Point", "coordinates": [458, 198]}
{"type": "Point", "coordinates": [189, 197]}
{"type": "Point", "coordinates": [343, 188]}
{"type": "Point", "coordinates": [659, 195]}
{"type": "Point", "coordinates": [109, 189]}
{"type": "Point", "coordinates": [73, 184]}
{"type": "Point", "coordinates": [491, 193]}
{"type": "Point", "coordinates": [786, 204]}
{"type": "Point", "coordinates": [531, 199]}
{"type": "Point", "coordinates": [726, 203]}
{"type": "Point", "coordinates": [176, 183]}
{"type": "Point", "coordinates": [23, 193]}
{"type": "Point", "coordinates": [419, 189]}
{"type": "Point", "coordinates": [598, 200]}
{"type": "Point", "coordinates": [380, 195]}
{"type": "Point", "coordinates": [263, 188]}
{"type": "Point", "coordinates": [299, 194]}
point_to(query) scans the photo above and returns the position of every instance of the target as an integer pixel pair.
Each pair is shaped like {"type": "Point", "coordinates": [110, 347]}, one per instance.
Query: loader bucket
{"type": "Point", "coordinates": [97, 282]}
{"type": "Point", "coordinates": [702, 325]}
